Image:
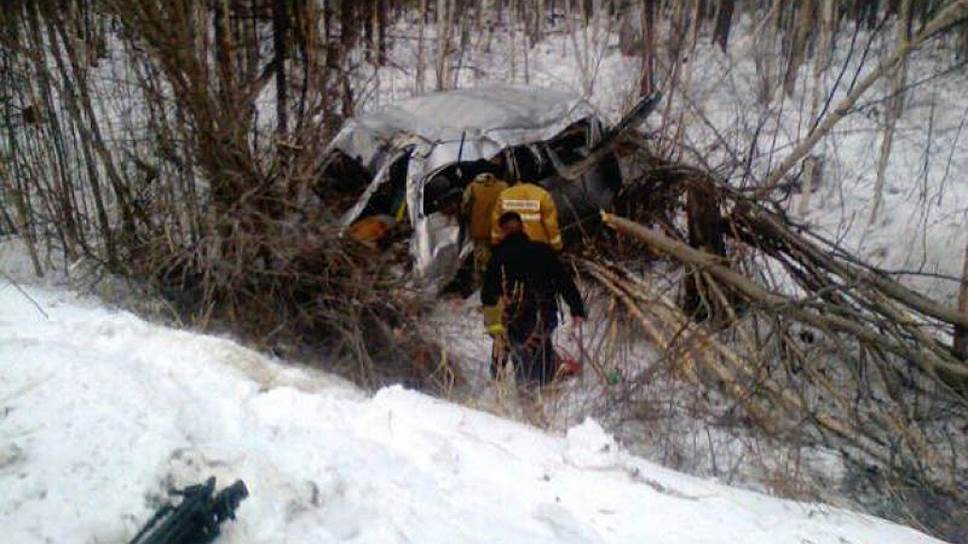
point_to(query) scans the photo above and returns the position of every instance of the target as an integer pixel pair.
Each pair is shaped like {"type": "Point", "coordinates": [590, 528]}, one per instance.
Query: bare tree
{"type": "Point", "coordinates": [895, 106]}
{"type": "Point", "coordinates": [647, 70]}
{"type": "Point", "coordinates": [724, 23]}
{"type": "Point", "coordinates": [445, 36]}
{"type": "Point", "coordinates": [950, 15]}
{"type": "Point", "coordinates": [280, 36]}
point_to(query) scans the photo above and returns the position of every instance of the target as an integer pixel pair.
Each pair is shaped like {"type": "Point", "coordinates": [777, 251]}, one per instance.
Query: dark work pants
{"type": "Point", "coordinates": [529, 345]}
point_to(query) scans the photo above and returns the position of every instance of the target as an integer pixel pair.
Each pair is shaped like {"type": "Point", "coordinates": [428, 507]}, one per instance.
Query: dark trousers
{"type": "Point", "coordinates": [528, 344]}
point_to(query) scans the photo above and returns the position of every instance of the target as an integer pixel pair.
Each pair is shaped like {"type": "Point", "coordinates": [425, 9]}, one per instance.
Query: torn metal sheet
{"type": "Point", "coordinates": [435, 132]}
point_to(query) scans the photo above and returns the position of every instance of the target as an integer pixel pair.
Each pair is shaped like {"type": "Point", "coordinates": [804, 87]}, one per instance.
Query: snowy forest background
{"type": "Point", "coordinates": [167, 155]}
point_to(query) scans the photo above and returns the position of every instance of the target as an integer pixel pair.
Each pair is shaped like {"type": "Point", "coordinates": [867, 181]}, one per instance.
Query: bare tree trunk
{"type": "Point", "coordinates": [280, 31]}
{"type": "Point", "coordinates": [539, 18]}
{"type": "Point", "coordinates": [823, 50]}
{"type": "Point", "coordinates": [821, 59]}
{"type": "Point", "coordinates": [224, 50]}
{"type": "Point", "coordinates": [963, 42]}
{"type": "Point", "coordinates": [488, 16]}
{"type": "Point", "coordinates": [894, 108]}
{"type": "Point", "coordinates": [445, 27]}
{"type": "Point", "coordinates": [961, 333]}
{"type": "Point", "coordinates": [698, 16]}
{"type": "Point", "coordinates": [647, 71]}
{"type": "Point", "coordinates": [418, 84]}
{"type": "Point", "coordinates": [866, 11]}
{"type": "Point", "coordinates": [512, 46]}
{"type": "Point", "coordinates": [684, 64]}
{"type": "Point", "coordinates": [348, 33]}
{"type": "Point", "coordinates": [380, 20]}
{"type": "Point", "coordinates": [807, 184]}
{"type": "Point", "coordinates": [305, 26]}
{"type": "Point", "coordinates": [724, 23]}
{"type": "Point", "coordinates": [527, 43]}
{"type": "Point", "coordinates": [804, 17]}
{"type": "Point", "coordinates": [705, 233]}
{"type": "Point", "coordinates": [764, 52]}
{"type": "Point", "coordinates": [465, 40]}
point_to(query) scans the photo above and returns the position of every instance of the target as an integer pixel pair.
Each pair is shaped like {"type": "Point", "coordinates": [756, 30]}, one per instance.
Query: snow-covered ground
{"type": "Point", "coordinates": [101, 411]}
{"type": "Point", "coordinates": [98, 408]}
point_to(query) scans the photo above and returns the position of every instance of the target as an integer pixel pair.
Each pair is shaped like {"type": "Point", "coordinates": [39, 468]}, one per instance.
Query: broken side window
{"type": "Point", "coordinates": [572, 144]}
{"type": "Point", "coordinates": [341, 180]}
{"type": "Point", "coordinates": [527, 163]}
{"type": "Point", "coordinates": [390, 198]}
{"type": "Point", "coordinates": [445, 187]}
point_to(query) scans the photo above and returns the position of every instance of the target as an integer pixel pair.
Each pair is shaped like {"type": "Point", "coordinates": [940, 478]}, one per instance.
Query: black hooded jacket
{"type": "Point", "coordinates": [530, 273]}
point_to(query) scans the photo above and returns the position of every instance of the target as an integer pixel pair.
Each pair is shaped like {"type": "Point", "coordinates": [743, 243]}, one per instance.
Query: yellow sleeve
{"type": "Point", "coordinates": [467, 202]}
{"type": "Point", "coordinates": [493, 318]}
{"type": "Point", "coordinates": [495, 215]}
{"type": "Point", "coordinates": [549, 218]}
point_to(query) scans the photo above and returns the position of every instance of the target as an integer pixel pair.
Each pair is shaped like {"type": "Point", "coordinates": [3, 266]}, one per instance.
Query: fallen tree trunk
{"type": "Point", "coordinates": [771, 224]}
{"type": "Point", "coordinates": [847, 320]}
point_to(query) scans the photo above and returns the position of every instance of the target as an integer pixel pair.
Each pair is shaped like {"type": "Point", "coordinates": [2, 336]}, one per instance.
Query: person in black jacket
{"type": "Point", "coordinates": [520, 297]}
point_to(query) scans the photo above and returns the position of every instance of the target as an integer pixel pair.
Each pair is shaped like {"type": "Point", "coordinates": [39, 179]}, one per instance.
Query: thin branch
{"type": "Point", "coordinates": [24, 293]}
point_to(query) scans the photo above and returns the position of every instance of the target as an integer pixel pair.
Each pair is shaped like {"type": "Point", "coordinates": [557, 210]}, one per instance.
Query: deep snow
{"type": "Point", "coordinates": [162, 402]}
{"type": "Point", "coordinates": [100, 411]}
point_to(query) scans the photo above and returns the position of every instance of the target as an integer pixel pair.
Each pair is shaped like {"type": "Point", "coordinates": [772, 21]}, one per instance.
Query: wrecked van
{"type": "Point", "coordinates": [404, 167]}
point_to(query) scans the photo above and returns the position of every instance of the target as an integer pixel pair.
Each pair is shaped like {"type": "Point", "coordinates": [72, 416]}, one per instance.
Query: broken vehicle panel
{"type": "Point", "coordinates": [422, 152]}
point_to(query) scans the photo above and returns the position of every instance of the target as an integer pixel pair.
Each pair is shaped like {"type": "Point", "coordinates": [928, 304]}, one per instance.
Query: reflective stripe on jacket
{"type": "Point", "coordinates": [537, 210]}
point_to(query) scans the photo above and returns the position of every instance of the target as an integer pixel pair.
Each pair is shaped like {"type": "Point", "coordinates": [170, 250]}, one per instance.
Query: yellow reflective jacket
{"type": "Point", "coordinates": [537, 210]}
{"type": "Point", "coordinates": [478, 205]}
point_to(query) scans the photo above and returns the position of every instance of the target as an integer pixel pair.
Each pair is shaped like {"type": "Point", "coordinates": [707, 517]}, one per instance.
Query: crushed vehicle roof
{"type": "Point", "coordinates": [506, 115]}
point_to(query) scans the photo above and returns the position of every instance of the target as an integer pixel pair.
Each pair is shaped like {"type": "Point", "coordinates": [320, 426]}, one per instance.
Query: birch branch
{"type": "Point", "coordinates": [953, 14]}
{"type": "Point", "coordinates": [948, 370]}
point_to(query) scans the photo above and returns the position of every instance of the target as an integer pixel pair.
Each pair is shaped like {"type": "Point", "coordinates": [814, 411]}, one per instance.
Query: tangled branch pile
{"type": "Point", "coordinates": [798, 338]}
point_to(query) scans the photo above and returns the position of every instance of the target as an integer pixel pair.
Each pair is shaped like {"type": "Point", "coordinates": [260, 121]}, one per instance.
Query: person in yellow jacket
{"type": "Point", "coordinates": [478, 207]}
{"type": "Point", "coordinates": [537, 210]}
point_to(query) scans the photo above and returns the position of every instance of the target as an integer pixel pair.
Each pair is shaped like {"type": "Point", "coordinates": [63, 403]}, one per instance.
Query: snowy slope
{"type": "Point", "coordinates": [99, 411]}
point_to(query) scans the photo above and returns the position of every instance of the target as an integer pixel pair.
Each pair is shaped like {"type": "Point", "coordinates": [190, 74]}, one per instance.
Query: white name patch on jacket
{"type": "Point", "coordinates": [528, 209]}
